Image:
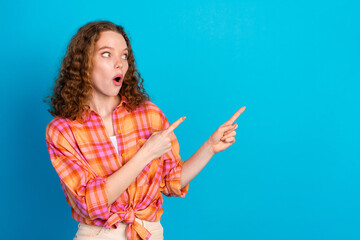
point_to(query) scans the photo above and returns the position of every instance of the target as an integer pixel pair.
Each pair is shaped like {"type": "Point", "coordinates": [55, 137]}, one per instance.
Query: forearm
{"type": "Point", "coordinates": [196, 163]}
{"type": "Point", "coordinates": [120, 180]}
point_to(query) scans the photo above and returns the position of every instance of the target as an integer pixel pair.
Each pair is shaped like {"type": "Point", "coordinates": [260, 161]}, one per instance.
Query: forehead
{"type": "Point", "coordinates": [111, 39]}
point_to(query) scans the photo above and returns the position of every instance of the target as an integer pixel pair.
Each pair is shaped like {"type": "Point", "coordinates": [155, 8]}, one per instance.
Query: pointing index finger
{"type": "Point", "coordinates": [235, 116]}
{"type": "Point", "coordinates": [175, 124]}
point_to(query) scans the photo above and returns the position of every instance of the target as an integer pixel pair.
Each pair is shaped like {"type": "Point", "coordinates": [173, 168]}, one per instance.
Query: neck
{"type": "Point", "coordinates": [104, 105]}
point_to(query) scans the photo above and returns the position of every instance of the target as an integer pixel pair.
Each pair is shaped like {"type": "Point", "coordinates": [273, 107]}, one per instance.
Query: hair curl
{"type": "Point", "coordinates": [73, 86]}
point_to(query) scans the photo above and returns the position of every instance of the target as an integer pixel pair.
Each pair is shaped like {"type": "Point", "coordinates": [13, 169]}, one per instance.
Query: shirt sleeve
{"type": "Point", "coordinates": [84, 190]}
{"type": "Point", "coordinates": [171, 178]}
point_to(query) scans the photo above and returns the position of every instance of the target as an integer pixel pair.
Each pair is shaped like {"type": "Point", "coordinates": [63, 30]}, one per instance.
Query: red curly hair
{"type": "Point", "coordinates": [73, 86]}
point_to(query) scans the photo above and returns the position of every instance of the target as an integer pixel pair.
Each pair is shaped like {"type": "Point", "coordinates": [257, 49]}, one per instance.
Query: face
{"type": "Point", "coordinates": [109, 64]}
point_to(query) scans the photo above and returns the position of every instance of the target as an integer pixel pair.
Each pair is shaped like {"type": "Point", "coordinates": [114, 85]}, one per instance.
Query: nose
{"type": "Point", "coordinates": [118, 63]}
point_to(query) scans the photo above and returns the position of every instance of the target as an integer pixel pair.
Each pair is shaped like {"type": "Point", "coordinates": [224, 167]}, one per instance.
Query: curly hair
{"type": "Point", "coordinates": [73, 86]}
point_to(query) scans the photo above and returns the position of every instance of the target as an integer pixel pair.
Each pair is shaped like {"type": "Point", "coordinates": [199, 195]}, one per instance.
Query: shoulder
{"type": "Point", "coordinates": [151, 106]}
{"type": "Point", "coordinates": [154, 114]}
{"type": "Point", "coordinates": [154, 109]}
{"type": "Point", "coordinates": [57, 127]}
{"type": "Point", "coordinates": [57, 124]}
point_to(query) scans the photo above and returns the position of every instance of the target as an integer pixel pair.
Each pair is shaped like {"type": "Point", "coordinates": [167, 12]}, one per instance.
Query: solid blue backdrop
{"type": "Point", "coordinates": [293, 172]}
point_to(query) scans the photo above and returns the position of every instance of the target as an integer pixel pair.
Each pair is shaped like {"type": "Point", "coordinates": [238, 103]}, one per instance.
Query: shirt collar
{"type": "Point", "coordinates": [123, 102]}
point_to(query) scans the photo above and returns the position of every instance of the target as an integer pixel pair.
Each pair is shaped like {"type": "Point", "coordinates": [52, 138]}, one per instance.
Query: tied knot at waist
{"type": "Point", "coordinates": [129, 216]}
{"type": "Point", "coordinates": [134, 230]}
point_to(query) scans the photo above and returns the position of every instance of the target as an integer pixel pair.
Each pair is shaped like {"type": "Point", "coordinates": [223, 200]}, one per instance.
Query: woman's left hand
{"type": "Point", "coordinates": [224, 136]}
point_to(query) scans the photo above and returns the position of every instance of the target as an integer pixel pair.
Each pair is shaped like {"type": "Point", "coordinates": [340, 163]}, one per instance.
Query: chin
{"type": "Point", "coordinates": [114, 94]}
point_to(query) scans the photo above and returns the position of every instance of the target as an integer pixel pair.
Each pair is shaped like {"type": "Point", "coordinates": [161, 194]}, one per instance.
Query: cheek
{"type": "Point", "coordinates": [100, 69]}
{"type": "Point", "coordinates": [95, 74]}
{"type": "Point", "coordinates": [95, 68]}
{"type": "Point", "coordinates": [126, 67]}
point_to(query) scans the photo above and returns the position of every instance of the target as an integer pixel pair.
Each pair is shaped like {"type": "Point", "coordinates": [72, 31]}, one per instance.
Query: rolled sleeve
{"type": "Point", "coordinates": [171, 182]}
{"type": "Point", "coordinates": [96, 199]}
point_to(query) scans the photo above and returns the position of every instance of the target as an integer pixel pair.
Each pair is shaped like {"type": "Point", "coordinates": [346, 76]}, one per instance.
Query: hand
{"type": "Point", "coordinates": [224, 136]}
{"type": "Point", "coordinates": [159, 143]}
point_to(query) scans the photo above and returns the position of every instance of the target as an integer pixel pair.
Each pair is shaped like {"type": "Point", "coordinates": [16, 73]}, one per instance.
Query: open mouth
{"type": "Point", "coordinates": [117, 80]}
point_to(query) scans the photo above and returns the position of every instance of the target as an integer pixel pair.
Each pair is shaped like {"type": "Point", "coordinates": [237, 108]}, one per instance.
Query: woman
{"type": "Point", "coordinates": [114, 150]}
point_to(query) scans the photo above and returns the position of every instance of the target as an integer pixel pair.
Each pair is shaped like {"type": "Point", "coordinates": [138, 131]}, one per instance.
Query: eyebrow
{"type": "Point", "coordinates": [104, 47]}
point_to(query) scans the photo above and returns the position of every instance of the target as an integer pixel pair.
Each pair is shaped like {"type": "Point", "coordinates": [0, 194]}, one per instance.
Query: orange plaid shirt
{"type": "Point", "coordinates": [84, 156]}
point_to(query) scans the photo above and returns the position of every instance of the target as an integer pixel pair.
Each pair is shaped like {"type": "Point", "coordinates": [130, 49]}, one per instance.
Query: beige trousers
{"type": "Point", "coordinates": [87, 232]}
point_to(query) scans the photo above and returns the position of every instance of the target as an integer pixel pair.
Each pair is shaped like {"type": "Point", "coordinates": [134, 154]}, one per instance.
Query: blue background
{"type": "Point", "coordinates": [293, 172]}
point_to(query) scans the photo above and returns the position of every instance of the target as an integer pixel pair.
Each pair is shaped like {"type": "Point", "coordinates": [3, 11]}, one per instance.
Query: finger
{"type": "Point", "coordinates": [235, 126]}
{"type": "Point", "coordinates": [229, 140]}
{"type": "Point", "coordinates": [235, 116]}
{"type": "Point", "coordinates": [175, 125]}
{"type": "Point", "coordinates": [227, 128]}
{"type": "Point", "coordinates": [231, 134]}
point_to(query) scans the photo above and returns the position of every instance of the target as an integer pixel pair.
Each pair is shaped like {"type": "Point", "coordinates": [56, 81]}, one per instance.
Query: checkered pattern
{"type": "Point", "coordinates": [84, 156]}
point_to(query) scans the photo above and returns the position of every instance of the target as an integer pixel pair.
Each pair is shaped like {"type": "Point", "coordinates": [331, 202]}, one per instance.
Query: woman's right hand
{"type": "Point", "coordinates": [159, 143]}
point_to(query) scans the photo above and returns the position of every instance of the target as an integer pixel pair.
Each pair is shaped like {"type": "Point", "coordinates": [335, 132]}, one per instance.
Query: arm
{"type": "Point", "coordinates": [84, 190]}
{"type": "Point", "coordinates": [196, 163]}
{"type": "Point", "coordinates": [88, 194]}
{"type": "Point", "coordinates": [120, 180]}
{"type": "Point", "coordinates": [157, 145]}
{"type": "Point", "coordinates": [220, 140]}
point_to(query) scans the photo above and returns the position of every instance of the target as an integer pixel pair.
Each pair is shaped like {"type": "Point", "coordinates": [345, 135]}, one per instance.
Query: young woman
{"type": "Point", "coordinates": [114, 150]}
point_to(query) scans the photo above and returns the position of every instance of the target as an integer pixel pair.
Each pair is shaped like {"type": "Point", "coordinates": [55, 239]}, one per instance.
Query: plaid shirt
{"type": "Point", "coordinates": [84, 156]}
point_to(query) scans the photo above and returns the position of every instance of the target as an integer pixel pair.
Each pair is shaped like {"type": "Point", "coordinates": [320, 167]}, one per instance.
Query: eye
{"type": "Point", "coordinates": [106, 54]}
{"type": "Point", "coordinates": [124, 56]}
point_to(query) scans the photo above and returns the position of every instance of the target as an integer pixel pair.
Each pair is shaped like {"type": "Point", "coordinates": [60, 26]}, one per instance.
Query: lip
{"type": "Point", "coordinates": [118, 75]}
{"type": "Point", "coordinates": [119, 82]}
